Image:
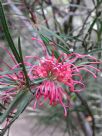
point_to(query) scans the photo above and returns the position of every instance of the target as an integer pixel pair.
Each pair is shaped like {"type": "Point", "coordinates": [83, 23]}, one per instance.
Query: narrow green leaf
{"type": "Point", "coordinates": [63, 49]}
{"type": "Point", "coordinates": [46, 41]}
{"type": "Point", "coordinates": [2, 106]}
{"type": "Point", "coordinates": [5, 88]}
{"type": "Point", "coordinates": [90, 28]}
{"type": "Point", "coordinates": [7, 33]}
{"type": "Point", "coordinates": [22, 65]}
{"type": "Point", "coordinates": [13, 104]}
{"type": "Point", "coordinates": [39, 80]}
{"type": "Point", "coordinates": [93, 51]}
{"type": "Point", "coordinates": [83, 63]}
{"type": "Point", "coordinates": [53, 34]}
{"type": "Point", "coordinates": [26, 98]}
{"type": "Point", "coordinates": [56, 54]}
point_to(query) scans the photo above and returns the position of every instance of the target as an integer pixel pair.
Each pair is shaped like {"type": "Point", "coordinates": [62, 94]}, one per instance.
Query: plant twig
{"type": "Point", "coordinates": [83, 101]}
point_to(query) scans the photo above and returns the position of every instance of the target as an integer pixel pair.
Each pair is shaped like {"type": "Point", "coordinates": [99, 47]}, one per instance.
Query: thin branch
{"type": "Point", "coordinates": [43, 14]}
{"type": "Point", "coordinates": [22, 17]}
{"type": "Point", "coordinates": [83, 101]}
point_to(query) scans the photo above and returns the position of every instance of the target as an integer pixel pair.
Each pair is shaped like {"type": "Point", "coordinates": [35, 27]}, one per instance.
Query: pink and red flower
{"type": "Point", "coordinates": [12, 80]}
{"type": "Point", "coordinates": [59, 75]}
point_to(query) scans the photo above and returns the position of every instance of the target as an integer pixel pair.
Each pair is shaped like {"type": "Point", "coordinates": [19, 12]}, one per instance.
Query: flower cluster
{"type": "Point", "coordinates": [61, 76]}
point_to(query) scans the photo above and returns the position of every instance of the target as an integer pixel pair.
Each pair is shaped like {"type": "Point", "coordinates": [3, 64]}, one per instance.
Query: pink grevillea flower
{"type": "Point", "coordinates": [10, 85]}
{"type": "Point", "coordinates": [61, 74]}
{"type": "Point", "coordinates": [12, 81]}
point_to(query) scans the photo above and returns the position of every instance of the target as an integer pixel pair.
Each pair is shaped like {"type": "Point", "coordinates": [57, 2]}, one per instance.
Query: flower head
{"type": "Point", "coordinates": [12, 81]}
{"type": "Point", "coordinates": [10, 85]}
{"type": "Point", "coordinates": [59, 74]}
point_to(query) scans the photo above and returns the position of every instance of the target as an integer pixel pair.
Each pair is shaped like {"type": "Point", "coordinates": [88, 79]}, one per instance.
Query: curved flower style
{"type": "Point", "coordinates": [59, 74]}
